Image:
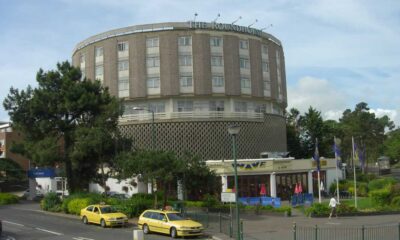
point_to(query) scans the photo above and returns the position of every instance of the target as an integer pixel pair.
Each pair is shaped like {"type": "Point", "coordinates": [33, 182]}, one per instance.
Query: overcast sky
{"type": "Point", "coordinates": [338, 53]}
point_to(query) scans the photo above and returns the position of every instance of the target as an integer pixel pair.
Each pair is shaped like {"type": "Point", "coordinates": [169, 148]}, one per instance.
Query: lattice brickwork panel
{"type": "Point", "coordinates": [210, 139]}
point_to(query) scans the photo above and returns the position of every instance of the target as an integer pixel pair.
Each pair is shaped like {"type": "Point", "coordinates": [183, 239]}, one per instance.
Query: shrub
{"type": "Point", "coordinates": [197, 204]}
{"type": "Point", "coordinates": [317, 209]}
{"type": "Point", "coordinates": [344, 208]}
{"type": "Point", "coordinates": [395, 190]}
{"type": "Point", "coordinates": [209, 201]}
{"type": "Point", "coordinates": [51, 202]}
{"type": "Point", "coordinates": [75, 205]}
{"type": "Point", "coordinates": [395, 202]}
{"type": "Point", "coordinates": [135, 206]}
{"type": "Point", "coordinates": [362, 189]}
{"type": "Point", "coordinates": [7, 198]}
{"type": "Point", "coordinates": [380, 197]}
{"type": "Point", "coordinates": [381, 183]}
{"type": "Point", "coordinates": [92, 198]}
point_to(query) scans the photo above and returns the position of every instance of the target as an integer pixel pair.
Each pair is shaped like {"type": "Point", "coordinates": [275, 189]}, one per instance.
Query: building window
{"type": "Point", "coordinates": [123, 65]}
{"type": "Point", "coordinates": [185, 60]}
{"type": "Point", "coordinates": [265, 67]}
{"type": "Point", "coordinates": [123, 87]}
{"type": "Point", "coordinates": [186, 81]}
{"type": "Point", "coordinates": [157, 107]}
{"type": "Point", "coordinates": [152, 42]}
{"type": "Point", "coordinates": [267, 85]}
{"type": "Point", "coordinates": [153, 61]}
{"type": "Point", "coordinates": [185, 41]}
{"type": "Point", "coordinates": [99, 71]}
{"type": "Point", "coordinates": [244, 63]}
{"type": "Point", "coordinates": [99, 52]}
{"type": "Point", "coordinates": [217, 81]}
{"type": "Point", "coordinates": [240, 106]}
{"type": "Point", "coordinates": [260, 108]}
{"type": "Point", "coordinates": [245, 83]}
{"type": "Point", "coordinates": [123, 46]}
{"type": "Point", "coordinates": [153, 82]}
{"type": "Point", "coordinates": [82, 58]}
{"type": "Point", "coordinates": [185, 106]}
{"type": "Point", "coordinates": [265, 49]}
{"type": "Point", "coordinates": [244, 44]}
{"type": "Point", "coordinates": [217, 106]}
{"type": "Point", "coordinates": [216, 41]}
{"type": "Point", "coordinates": [217, 61]}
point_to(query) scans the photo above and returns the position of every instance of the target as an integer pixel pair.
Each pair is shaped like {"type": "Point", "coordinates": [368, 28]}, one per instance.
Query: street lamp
{"type": "Point", "coordinates": [153, 130]}
{"type": "Point", "coordinates": [233, 131]}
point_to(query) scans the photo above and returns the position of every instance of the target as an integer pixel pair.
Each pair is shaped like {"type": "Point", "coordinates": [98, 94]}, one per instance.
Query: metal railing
{"type": "Point", "coordinates": [192, 115]}
{"type": "Point", "coordinates": [217, 222]}
{"type": "Point", "coordinates": [364, 232]}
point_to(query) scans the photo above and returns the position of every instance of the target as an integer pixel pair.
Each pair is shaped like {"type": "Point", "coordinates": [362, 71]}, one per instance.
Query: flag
{"type": "Point", "coordinates": [361, 156]}
{"type": "Point", "coordinates": [336, 150]}
{"type": "Point", "coordinates": [316, 155]}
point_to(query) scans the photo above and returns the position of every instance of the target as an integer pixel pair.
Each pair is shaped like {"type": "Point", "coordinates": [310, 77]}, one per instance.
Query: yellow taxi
{"type": "Point", "coordinates": [168, 222]}
{"type": "Point", "coordinates": [105, 215]}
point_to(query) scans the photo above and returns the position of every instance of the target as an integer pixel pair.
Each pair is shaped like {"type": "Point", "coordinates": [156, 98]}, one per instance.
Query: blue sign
{"type": "Point", "coordinates": [263, 201]}
{"type": "Point", "coordinates": [41, 173]}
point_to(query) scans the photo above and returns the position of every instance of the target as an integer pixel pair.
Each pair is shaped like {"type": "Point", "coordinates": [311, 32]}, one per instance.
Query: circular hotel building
{"type": "Point", "coordinates": [195, 79]}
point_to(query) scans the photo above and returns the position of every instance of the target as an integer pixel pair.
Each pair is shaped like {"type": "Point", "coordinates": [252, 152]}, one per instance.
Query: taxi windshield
{"type": "Point", "coordinates": [174, 216]}
{"type": "Point", "coordinates": [108, 209]}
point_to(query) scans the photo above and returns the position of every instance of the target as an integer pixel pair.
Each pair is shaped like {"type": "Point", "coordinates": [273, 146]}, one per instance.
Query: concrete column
{"type": "Point", "coordinates": [224, 183]}
{"type": "Point", "coordinates": [273, 184]}
{"type": "Point", "coordinates": [310, 182]}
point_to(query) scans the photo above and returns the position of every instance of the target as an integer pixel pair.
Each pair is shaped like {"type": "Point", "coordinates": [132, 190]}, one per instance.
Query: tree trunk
{"type": "Point", "coordinates": [68, 165]}
{"type": "Point", "coordinates": [165, 194]}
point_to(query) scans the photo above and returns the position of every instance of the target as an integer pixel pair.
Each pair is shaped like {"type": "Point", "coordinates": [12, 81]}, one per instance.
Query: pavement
{"type": "Point", "coordinates": [267, 227]}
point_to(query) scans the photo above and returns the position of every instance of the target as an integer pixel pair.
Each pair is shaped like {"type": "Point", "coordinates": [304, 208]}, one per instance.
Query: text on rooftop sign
{"type": "Point", "coordinates": [225, 27]}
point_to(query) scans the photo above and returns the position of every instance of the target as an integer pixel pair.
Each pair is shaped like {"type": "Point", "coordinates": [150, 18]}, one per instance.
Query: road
{"type": "Point", "coordinates": [21, 222]}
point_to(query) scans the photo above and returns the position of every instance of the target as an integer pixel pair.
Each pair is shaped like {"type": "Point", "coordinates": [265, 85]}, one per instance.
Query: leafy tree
{"type": "Point", "coordinates": [293, 133]}
{"type": "Point", "coordinates": [392, 146]}
{"type": "Point", "coordinates": [61, 121]}
{"type": "Point", "coordinates": [197, 178]}
{"type": "Point", "coordinates": [366, 129]}
{"type": "Point", "coordinates": [312, 128]}
{"type": "Point", "coordinates": [11, 171]}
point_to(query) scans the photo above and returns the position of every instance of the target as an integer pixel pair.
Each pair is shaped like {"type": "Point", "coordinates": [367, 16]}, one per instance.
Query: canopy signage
{"type": "Point", "coordinates": [41, 173]}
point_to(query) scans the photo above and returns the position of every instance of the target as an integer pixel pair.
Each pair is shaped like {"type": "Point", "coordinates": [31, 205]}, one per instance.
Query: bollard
{"type": "Point", "coordinates": [138, 235]}
{"type": "Point", "coordinates": [316, 232]}
{"type": "Point", "coordinates": [362, 232]}
{"type": "Point", "coordinates": [220, 222]}
{"type": "Point", "coordinates": [294, 231]}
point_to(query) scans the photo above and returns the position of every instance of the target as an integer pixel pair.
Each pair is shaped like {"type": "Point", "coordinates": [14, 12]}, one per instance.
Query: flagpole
{"type": "Point", "coordinates": [319, 187]}
{"type": "Point", "coordinates": [337, 174]}
{"type": "Point", "coordinates": [355, 180]}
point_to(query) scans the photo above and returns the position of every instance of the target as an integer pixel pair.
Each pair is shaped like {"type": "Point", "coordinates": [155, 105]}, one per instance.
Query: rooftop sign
{"type": "Point", "coordinates": [225, 27]}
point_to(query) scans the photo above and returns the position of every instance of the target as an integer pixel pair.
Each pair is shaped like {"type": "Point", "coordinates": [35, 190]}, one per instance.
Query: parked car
{"type": "Point", "coordinates": [169, 222]}
{"type": "Point", "coordinates": [38, 194]}
{"type": "Point", "coordinates": [116, 195]}
{"type": "Point", "coordinates": [105, 215]}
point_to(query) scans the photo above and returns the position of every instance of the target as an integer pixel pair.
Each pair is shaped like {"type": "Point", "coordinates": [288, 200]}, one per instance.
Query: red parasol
{"type": "Point", "coordinates": [263, 190]}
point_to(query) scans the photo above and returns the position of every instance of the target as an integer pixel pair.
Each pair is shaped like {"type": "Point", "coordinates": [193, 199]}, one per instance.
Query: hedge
{"type": "Point", "coordinates": [7, 198]}
{"type": "Point", "coordinates": [51, 202]}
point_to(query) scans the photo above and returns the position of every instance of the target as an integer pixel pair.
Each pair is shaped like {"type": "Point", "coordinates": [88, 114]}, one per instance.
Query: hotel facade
{"type": "Point", "coordinates": [197, 78]}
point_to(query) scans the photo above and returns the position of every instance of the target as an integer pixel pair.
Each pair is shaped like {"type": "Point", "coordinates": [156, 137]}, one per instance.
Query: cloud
{"type": "Point", "coordinates": [316, 92]}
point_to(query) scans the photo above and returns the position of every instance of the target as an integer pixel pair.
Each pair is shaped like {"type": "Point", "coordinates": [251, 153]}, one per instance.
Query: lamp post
{"type": "Point", "coordinates": [153, 130]}
{"type": "Point", "coordinates": [233, 131]}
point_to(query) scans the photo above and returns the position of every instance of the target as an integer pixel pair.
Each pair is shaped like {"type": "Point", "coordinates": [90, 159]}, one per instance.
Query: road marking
{"type": "Point", "coordinates": [82, 238]}
{"type": "Point", "coordinates": [48, 231]}
{"type": "Point", "coordinates": [13, 223]}
{"type": "Point", "coordinates": [10, 238]}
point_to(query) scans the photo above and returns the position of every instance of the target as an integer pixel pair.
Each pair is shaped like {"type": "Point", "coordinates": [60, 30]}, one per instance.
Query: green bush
{"type": "Point", "coordinates": [51, 202]}
{"type": "Point", "coordinates": [197, 204]}
{"type": "Point", "coordinates": [75, 205]}
{"type": "Point", "coordinates": [380, 197]}
{"type": "Point", "coordinates": [135, 206]}
{"type": "Point", "coordinates": [395, 202]}
{"type": "Point", "coordinates": [344, 208]}
{"type": "Point", "coordinates": [90, 198]}
{"type": "Point", "coordinates": [395, 190]}
{"type": "Point", "coordinates": [7, 198]}
{"type": "Point", "coordinates": [362, 189]}
{"type": "Point", "coordinates": [317, 209]}
{"type": "Point", "coordinates": [380, 183]}
{"type": "Point", "coordinates": [209, 201]}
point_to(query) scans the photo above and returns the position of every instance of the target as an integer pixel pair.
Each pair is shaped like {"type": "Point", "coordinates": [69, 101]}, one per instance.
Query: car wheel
{"type": "Point", "coordinates": [173, 232]}
{"type": "Point", "coordinates": [146, 229]}
{"type": "Point", "coordinates": [84, 220]}
{"type": "Point", "coordinates": [103, 223]}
